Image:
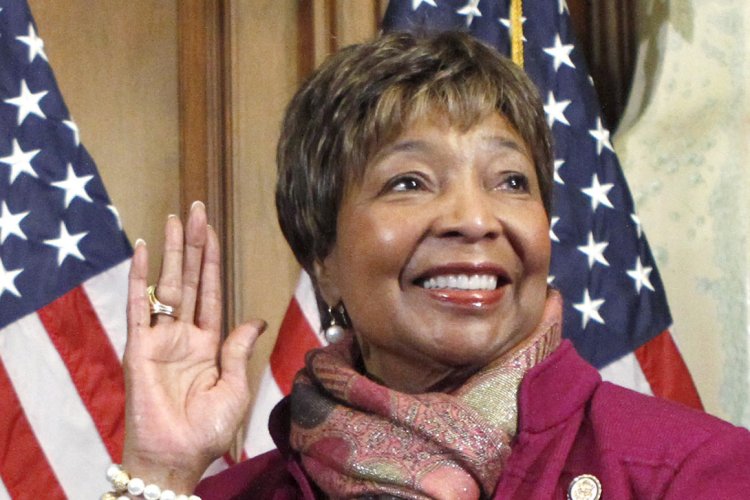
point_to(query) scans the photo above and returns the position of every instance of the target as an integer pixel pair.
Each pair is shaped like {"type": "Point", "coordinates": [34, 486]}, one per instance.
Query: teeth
{"type": "Point", "coordinates": [462, 282]}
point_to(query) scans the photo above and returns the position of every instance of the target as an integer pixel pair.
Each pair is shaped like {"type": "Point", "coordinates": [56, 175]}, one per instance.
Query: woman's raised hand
{"type": "Point", "coordinates": [187, 391]}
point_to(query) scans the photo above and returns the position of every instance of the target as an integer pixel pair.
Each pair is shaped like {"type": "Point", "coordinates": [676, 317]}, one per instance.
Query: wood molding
{"type": "Point", "coordinates": [204, 96]}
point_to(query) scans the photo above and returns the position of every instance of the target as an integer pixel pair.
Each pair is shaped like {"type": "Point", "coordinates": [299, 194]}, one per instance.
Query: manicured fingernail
{"type": "Point", "coordinates": [197, 203]}
{"type": "Point", "coordinates": [171, 216]}
{"type": "Point", "coordinates": [140, 242]}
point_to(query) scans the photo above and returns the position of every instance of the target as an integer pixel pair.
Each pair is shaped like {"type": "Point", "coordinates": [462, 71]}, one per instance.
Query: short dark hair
{"type": "Point", "coordinates": [363, 97]}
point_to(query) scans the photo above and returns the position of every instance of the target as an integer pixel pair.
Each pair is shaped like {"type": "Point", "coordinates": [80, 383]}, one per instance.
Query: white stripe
{"type": "Point", "coordinates": [108, 294]}
{"type": "Point", "coordinates": [4, 495]}
{"type": "Point", "coordinates": [216, 466]}
{"type": "Point", "coordinates": [627, 372]}
{"type": "Point", "coordinates": [305, 295]}
{"type": "Point", "coordinates": [258, 439]}
{"type": "Point", "coordinates": [55, 412]}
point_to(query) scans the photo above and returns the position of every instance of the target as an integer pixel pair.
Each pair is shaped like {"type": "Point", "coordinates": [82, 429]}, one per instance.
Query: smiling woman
{"type": "Point", "coordinates": [414, 186]}
{"type": "Point", "coordinates": [459, 210]}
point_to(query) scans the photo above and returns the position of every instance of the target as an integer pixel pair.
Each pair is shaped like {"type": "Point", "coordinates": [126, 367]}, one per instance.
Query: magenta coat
{"type": "Point", "coordinates": [570, 423]}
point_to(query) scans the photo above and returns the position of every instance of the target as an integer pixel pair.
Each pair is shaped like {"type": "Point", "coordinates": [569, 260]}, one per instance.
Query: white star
{"type": "Point", "coordinates": [506, 23]}
{"type": "Point", "coordinates": [590, 309]}
{"type": "Point", "coordinates": [598, 193]}
{"type": "Point", "coordinates": [27, 102]}
{"type": "Point", "coordinates": [560, 53]}
{"type": "Point", "coordinates": [640, 275]}
{"type": "Point", "coordinates": [470, 10]}
{"type": "Point", "coordinates": [72, 126]}
{"type": "Point", "coordinates": [555, 110]}
{"type": "Point", "coordinates": [36, 44]}
{"type": "Point", "coordinates": [7, 280]}
{"type": "Point", "coordinates": [10, 223]}
{"type": "Point", "coordinates": [558, 166]}
{"type": "Point", "coordinates": [550, 279]}
{"type": "Point", "coordinates": [116, 213]}
{"type": "Point", "coordinates": [20, 161]}
{"type": "Point", "coordinates": [552, 234]}
{"type": "Point", "coordinates": [67, 244]}
{"type": "Point", "coordinates": [637, 221]}
{"type": "Point", "coordinates": [416, 3]}
{"type": "Point", "coordinates": [74, 186]}
{"type": "Point", "coordinates": [562, 5]}
{"type": "Point", "coordinates": [601, 134]}
{"type": "Point", "coordinates": [595, 251]}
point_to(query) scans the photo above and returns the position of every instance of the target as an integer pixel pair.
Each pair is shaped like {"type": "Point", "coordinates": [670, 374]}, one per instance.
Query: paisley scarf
{"type": "Point", "coordinates": [359, 439]}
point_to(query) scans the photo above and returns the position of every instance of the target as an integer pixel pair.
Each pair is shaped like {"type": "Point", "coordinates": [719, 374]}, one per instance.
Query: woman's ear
{"type": "Point", "coordinates": [326, 279]}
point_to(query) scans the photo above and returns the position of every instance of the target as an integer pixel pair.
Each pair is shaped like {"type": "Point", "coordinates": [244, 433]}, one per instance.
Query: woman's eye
{"type": "Point", "coordinates": [516, 182]}
{"type": "Point", "coordinates": [402, 184]}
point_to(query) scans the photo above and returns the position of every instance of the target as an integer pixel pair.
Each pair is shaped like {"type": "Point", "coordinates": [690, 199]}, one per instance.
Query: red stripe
{"type": "Point", "coordinates": [295, 339]}
{"type": "Point", "coordinates": [77, 334]}
{"type": "Point", "coordinates": [666, 371]}
{"type": "Point", "coordinates": [24, 468]}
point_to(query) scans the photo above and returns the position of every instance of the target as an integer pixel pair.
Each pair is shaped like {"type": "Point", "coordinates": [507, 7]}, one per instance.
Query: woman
{"type": "Point", "coordinates": [415, 188]}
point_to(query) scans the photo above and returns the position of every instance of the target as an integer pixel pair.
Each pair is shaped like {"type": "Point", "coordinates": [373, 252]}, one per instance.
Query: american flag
{"type": "Point", "coordinates": [63, 266]}
{"type": "Point", "coordinates": [616, 311]}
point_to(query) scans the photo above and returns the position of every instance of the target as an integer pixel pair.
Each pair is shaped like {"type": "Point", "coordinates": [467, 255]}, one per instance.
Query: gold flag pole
{"type": "Point", "coordinates": [516, 31]}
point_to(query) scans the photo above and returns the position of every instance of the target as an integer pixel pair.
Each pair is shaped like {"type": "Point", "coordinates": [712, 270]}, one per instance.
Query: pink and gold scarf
{"type": "Point", "coordinates": [358, 438]}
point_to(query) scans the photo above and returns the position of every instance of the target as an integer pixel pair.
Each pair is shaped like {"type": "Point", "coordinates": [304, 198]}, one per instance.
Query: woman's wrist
{"type": "Point", "coordinates": [128, 486]}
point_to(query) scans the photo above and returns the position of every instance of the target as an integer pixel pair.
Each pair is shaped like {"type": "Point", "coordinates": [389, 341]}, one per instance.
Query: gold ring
{"type": "Point", "coordinates": [155, 306]}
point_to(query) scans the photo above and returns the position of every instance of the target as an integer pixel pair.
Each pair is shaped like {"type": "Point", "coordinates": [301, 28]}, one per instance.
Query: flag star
{"type": "Point", "coordinates": [594, 250]}
{"type": "Point", "coordinates": [598, 193]}
{"type": "Point", "coordinates": [601, 134]}
{"type": "Point", "coordinates": [590, 309]}
{"type": "Point", "coordinates": [637, 221]}
{"type": "Point", "coordinates": [74, 186]}
{"type": "Point", "coordinates": [36, 44]}
{"type": "Point", "coordinates": [116, 213]}
{"type": "Point", "coordinates": [552, 234]}
{"type": "Point", "coordinates": [550, 279]}
{"type": "Point", "coordinates": [416, 3]}
{"type": "Point", "coordinates": [470, 10]}
{"type": "Point", "coordinates": [72, 126]}
{"type": "Point", "coordinates": [640, 275]}
{"type": "Point", "coordinates": [506, 22]}
{"type": "Point", "coordinates": [562, 6]}
{"type": "Point", "coordinates": [20, 161]}
{"type": "Point", "coordinates": [67, 244]}
{"type": "Point", "coordinates": [8, 280]}
{"type": "Point", "coordinates": [27, 102]}
{"type": "Point", "coordinates": [10, 223]}
{"type": "Point", "coordinates": [560, 53]}
{"type": "Point", "coordinates": [558, 166]}
{"type": "Point", "coordinates": [555, 110]}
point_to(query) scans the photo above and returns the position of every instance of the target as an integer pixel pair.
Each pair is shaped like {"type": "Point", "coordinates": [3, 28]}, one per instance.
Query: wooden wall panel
{"type": "Point", "coordinates": [116, 65]}
{"type": "Point", "coordinates": [264, 76]}
{"type": "Point", "coordinates": [275, 44]}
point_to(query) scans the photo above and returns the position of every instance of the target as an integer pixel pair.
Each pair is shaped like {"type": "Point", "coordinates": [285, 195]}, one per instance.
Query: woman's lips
{"type": "Point", "coordinates": [465, 285]}
{"type": "Point", "coordinates": [475, 299]}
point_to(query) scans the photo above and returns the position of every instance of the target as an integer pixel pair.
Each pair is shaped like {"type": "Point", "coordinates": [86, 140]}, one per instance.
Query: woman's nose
{"type": "Point", "coordinates": [469, 213]}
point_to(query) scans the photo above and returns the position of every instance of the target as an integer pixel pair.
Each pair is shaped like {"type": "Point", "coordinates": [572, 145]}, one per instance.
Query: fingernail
{"type": "Point", "coordinates": [140, 242]}
{"type": "Point", "coordinates": [171, 216]}
{"type": "Point", "coordinates": [197, 203]}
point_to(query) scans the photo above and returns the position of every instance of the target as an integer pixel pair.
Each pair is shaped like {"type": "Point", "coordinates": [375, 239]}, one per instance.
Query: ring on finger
{"type": "Point", "coordinates": [157, 307]}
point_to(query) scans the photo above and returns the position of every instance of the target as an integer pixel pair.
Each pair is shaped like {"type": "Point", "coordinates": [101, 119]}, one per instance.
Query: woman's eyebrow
{"type": "Point", "coordinates": [500, 142]}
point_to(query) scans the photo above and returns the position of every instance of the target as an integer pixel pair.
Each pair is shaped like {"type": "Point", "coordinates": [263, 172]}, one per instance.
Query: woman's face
{"type": "Point", "coordinates": [442, 252]}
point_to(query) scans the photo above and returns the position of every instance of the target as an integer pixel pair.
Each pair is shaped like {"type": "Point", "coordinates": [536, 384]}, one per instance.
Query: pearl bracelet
{"type": "Point", "coordinates": [124, 485]}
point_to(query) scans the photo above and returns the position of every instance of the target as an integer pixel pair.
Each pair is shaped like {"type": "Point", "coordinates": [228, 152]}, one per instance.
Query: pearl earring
{"type": "Point", "coordinates": [334, 332]}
